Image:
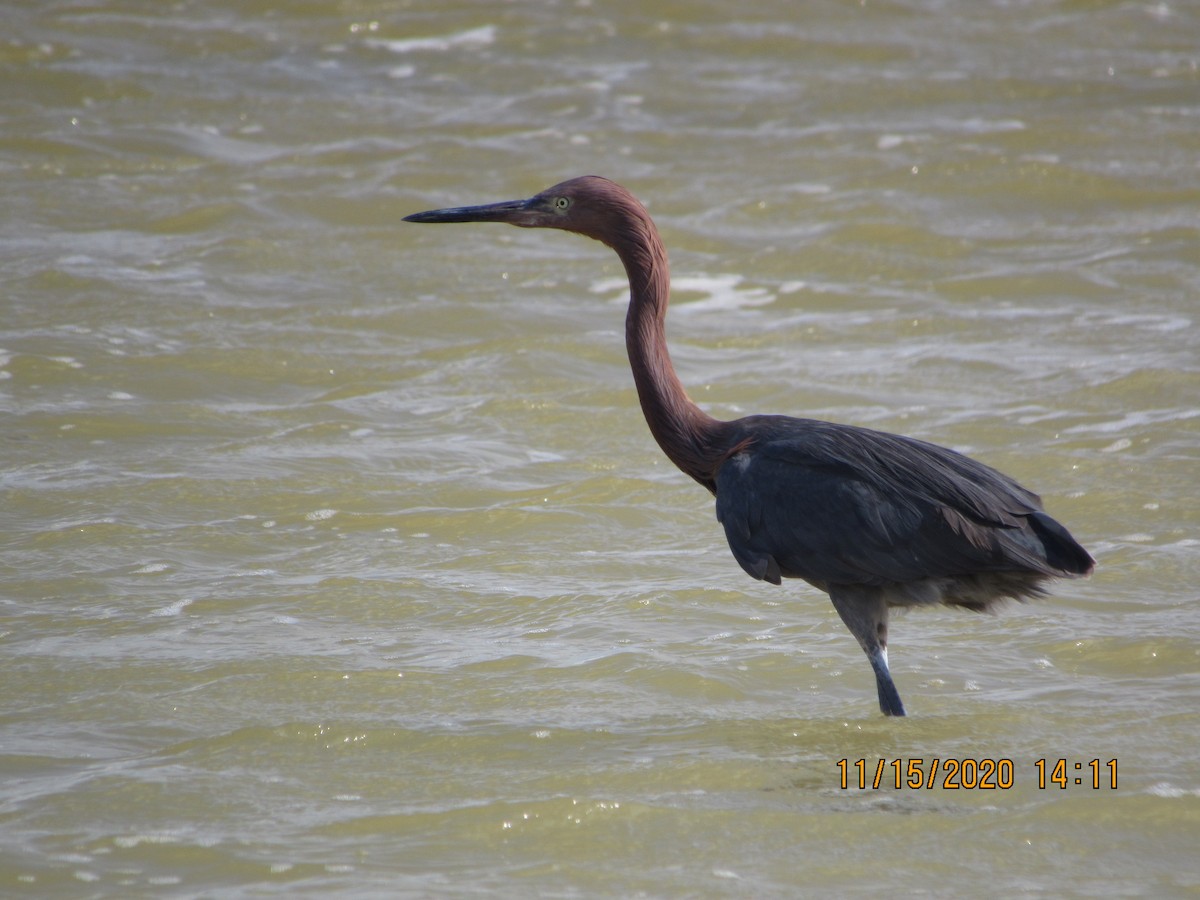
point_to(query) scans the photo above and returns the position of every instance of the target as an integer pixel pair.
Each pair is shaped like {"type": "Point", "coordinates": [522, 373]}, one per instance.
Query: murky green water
{"type": "Point", "coordinates": [337, 560]}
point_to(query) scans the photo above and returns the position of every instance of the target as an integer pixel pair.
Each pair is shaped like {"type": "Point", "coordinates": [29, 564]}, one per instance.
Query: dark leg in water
{"type": "Point", "coordinates": [865, 613]}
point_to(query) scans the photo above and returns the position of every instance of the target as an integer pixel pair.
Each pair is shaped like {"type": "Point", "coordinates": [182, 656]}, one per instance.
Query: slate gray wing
{"type": "Point", "coordinates": [867, 512]}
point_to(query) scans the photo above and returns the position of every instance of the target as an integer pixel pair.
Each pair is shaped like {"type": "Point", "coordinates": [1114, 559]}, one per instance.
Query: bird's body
{"type": "Point", "coordinates": [875, 520]}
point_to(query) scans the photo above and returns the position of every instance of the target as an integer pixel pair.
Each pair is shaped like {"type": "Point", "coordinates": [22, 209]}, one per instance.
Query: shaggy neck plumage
{"type": "Point", "coordinates": [683, 431]}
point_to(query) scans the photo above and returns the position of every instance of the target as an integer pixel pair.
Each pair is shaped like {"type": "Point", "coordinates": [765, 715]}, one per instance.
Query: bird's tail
{"type": "Point", "coordinates": [1063, 552]}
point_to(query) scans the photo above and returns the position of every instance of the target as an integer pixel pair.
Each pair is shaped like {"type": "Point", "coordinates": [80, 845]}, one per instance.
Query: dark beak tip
{"type": "Point", "coordinates": [507, 211]}
{"type": "Point", "coordinates": [429, 215]}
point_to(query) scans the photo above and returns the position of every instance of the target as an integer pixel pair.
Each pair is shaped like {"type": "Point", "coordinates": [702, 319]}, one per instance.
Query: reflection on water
{"type": "Point", "coordinates": [337, 555]}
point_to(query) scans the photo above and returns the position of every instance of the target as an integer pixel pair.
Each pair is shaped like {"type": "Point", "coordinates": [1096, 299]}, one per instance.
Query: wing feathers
{"type": "Point", "coordinates": [840, 505]}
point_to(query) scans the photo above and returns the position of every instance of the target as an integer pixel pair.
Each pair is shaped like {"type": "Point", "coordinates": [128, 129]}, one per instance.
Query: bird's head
{"type": "Point", "coordinates": [588, 205]}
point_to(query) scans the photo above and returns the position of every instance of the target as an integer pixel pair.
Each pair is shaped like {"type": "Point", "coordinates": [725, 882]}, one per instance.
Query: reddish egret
{"type": "Point", "coordinates": [875, 520]}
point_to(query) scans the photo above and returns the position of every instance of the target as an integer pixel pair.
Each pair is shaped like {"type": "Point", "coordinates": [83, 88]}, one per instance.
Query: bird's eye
{"type": "Point", "coordinates": [562, 203]}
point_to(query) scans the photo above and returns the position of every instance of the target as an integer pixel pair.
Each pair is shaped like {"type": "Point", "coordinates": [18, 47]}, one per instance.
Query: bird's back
{"type": "Point", "coordinates": [840, 505]}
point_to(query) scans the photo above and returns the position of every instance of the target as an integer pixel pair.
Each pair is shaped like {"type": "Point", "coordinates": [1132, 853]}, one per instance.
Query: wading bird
{"type": "Point", "coordinates": [875, 520]}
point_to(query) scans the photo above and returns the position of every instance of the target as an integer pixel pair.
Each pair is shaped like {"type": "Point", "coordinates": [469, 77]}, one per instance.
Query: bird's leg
{"type": "Point", "coordinates": [865, 613]}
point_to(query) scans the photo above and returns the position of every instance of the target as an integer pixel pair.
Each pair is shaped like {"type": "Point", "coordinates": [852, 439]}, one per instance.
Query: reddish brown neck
{"type": "Point", "coordinates": [687, 435]}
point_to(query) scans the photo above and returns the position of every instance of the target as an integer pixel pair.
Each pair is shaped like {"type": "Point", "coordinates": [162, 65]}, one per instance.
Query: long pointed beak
{"type": "Point", "coordinates": [511, 211]}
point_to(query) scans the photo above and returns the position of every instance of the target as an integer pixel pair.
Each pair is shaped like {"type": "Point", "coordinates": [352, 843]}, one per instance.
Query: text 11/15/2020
{"type": "Point", "coordinates": [984, 774]}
